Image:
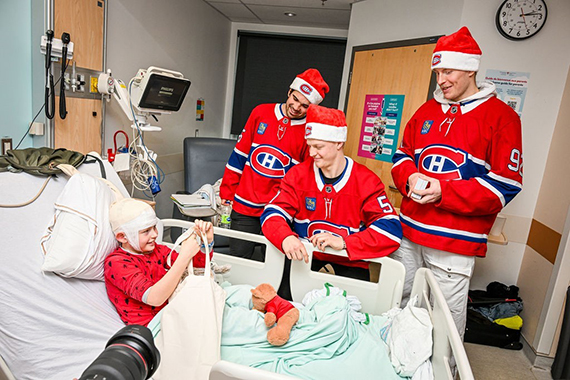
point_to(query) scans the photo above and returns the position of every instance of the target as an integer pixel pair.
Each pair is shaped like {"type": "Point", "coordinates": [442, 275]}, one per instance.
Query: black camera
{"type": "Point", "coordinates": [129, 355]}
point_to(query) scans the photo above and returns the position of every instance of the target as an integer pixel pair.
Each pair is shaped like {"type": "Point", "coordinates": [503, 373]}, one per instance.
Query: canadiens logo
{"type": "Point", "coordinates": [308, 130]}
{"type": "Point", "coordinates": [261, 128]}
{"type": "Point", "coordinates": [319, 226]}
{"type": "Point", "coordinates": [311, 203]}
{"type": "Point", "coordinates": [269, 161]}
{"type": "Point", "coordinates": [442, 162]}
{"type": "Point", "coordinates": [436, 59]}
{"type": "Point", "coordinates": [306, 89]}
{"type": "Point", "coordinates": [426, 127]}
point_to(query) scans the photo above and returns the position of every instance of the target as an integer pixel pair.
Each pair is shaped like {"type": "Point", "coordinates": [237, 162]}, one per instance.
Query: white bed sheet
{"type": "Point", "coordinates": [66, 341]}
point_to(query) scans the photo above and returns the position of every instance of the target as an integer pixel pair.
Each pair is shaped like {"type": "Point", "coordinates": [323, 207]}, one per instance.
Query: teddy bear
{"type": "Point", "coordinates": [277, 310]}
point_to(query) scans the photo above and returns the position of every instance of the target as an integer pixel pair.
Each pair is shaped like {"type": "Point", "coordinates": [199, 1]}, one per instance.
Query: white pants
{"type": "Point", "coordinates": [452, 272]}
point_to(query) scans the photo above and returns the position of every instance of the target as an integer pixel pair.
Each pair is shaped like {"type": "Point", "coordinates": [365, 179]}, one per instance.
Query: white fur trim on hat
{"type": "Point", "coordinates": [307, 90]}
{"type": "Point", "coordinates": [325, 132]}
{"type": "Point", "coordinates": [455, 60]}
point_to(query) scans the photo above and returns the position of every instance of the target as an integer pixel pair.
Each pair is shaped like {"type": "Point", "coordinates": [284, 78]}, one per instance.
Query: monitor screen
{"type": "Point", "coordinates": [164, 92]}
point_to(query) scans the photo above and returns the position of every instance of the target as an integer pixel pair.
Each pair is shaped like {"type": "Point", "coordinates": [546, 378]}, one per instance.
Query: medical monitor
{"type": "Point", "coordinates": [163, 92]}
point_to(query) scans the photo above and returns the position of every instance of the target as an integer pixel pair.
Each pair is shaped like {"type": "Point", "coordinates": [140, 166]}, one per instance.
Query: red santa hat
{"type": "Point", "coordinates": [327, 124]}
{"type": "Point", "coordinates": [312, 85]}
{"type": "Point", "coordinates": [457, 51]}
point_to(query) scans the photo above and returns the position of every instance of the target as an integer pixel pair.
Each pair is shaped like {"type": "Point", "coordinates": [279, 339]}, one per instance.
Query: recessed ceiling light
{"type": "Point", "coordinates": [290, 14]}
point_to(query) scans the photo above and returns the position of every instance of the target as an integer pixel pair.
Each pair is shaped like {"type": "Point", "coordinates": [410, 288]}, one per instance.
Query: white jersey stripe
{"type": "Point", "coordinates": [442, 229]}
{"type": "Point", "coordinates": [249, 202]}
{"type": "Point", "coordinates": [233, 169]}
{"type": "Point", "coordinates": [385, 233]}
{"type": "Point", "coordinates": [271, 216]}
{"type": "Point", "coordinates": [508, 181]}
{"type": "Point", "coordinates": [487, 185]}
{"type": "Point", "coordinates": [271, 206]}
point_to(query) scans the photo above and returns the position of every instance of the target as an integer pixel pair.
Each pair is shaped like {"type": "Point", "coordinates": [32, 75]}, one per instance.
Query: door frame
{"type": "Point", "coordinates": [388, 45]}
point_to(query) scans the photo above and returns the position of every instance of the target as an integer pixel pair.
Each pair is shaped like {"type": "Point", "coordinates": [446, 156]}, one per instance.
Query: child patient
{"type": "Point", "coordinates": [139, 275]}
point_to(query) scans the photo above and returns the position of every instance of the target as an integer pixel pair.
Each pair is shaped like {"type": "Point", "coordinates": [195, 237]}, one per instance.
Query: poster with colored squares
{"type": "Point", "coordinates": [380, 126]}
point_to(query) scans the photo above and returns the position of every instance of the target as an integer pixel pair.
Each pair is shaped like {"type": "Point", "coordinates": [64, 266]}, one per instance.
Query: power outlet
{"type": "Point", "coordinates": [6, 144]}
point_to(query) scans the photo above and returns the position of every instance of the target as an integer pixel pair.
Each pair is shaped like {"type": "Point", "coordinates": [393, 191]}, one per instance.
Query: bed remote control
{"type": "Point", "coordinates": [421, 184]}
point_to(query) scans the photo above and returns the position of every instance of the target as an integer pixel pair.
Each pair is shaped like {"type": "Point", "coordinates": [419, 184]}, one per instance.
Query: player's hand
{"type": "Point", "coordinates": [412, 179]}
{"type": "Point", "coordinates": [324, 239]}
{"type": "Point", "coordinates": [294, 249]}
{"type": "Point", "coordinates": [431, 194]}
{"type": "Point", "coordinates": [203, 227]}
{"type": "Point", "coordinates": [227, 202]}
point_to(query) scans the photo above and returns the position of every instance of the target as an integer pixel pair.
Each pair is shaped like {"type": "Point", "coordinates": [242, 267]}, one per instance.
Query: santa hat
{"type": "Point", "coordinates": [327, 124]}
{"type": "Point", "coordinates": [312, 85]}
{"type": "Point", "coordinates": [457, 51]}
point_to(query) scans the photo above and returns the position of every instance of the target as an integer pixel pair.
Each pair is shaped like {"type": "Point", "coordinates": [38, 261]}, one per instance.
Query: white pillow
{"type": "Point", "coordinates": [80, 237]}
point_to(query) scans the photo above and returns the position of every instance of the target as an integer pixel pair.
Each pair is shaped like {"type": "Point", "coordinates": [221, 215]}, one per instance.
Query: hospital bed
{"type": "Point", "coordinates": [53, 328]}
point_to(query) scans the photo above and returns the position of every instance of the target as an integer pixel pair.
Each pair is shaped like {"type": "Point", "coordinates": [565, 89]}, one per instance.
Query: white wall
{"type": "Point", "coordinates": [186, 36]}
{"type": "Point", "coordinates": [278, 29]}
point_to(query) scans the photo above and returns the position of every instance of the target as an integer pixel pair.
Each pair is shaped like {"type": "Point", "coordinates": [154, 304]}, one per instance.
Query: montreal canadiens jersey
{"type": "Point", "coordinates": [474, 148]}
{"type": "Point", "coordinates": [269, 145]}
{"type": "Point", "coordinates": [355, 208]}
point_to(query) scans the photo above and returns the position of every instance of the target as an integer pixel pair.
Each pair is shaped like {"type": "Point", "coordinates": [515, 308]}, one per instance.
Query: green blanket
{"type": "Point", "coordinates": [326, 343]}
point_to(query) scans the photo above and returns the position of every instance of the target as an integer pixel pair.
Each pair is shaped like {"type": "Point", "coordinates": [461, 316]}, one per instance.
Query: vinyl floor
{"type": "Point", "coordinates": [493, 363]}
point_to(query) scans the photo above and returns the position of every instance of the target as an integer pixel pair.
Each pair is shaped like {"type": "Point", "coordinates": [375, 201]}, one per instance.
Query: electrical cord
{"type": "Point", "coordinates": [49, 96]}
{"type": "Point", "coordinates": [142, 169]}
{"type": "Point", "coordinates": [32, 122]}
{"type": "Point", "coordinates": [65, 38]}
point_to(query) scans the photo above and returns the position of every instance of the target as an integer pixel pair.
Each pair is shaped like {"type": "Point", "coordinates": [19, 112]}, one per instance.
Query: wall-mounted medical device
{"type": "Point", "coordinates": [151, 92]}
{"type": "Point", "coordinates": [56, 47]}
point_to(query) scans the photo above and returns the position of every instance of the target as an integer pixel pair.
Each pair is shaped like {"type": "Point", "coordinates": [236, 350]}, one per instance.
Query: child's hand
{"type": "Point", "coordinates": [189, 247]}
{"type": "Point", "coordinates": [201, 226]}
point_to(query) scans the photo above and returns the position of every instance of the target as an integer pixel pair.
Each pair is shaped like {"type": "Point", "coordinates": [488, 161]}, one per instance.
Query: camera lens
{"type": "Point", "coordinates": [129, 355]}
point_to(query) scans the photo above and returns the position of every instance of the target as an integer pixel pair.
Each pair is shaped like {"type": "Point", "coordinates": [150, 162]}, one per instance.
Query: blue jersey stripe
{"type": "Point", "coordinates": [237, 161]}
{"type": "Point", "coordinates": [450, 235]}
{"type": "Point", "coordinates": [507, 190]}
{"type": "Point", "coordinates": [392, 226]}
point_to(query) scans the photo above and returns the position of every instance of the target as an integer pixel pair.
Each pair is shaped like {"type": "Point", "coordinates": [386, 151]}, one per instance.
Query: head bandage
{"type": "Point", "coordinates": [130, 216]}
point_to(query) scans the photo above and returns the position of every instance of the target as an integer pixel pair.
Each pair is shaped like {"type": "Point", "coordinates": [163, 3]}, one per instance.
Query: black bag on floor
{"type": "Point", "coordinates": [481, 330]}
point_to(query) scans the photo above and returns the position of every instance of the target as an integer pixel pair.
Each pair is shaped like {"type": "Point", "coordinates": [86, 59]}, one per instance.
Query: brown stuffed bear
{"type": "Point", "coordinates": [265, 299]}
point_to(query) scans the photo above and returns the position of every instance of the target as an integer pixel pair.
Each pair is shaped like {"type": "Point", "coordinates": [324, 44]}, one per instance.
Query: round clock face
{"type": "Point", "coordinates": [520, 19]}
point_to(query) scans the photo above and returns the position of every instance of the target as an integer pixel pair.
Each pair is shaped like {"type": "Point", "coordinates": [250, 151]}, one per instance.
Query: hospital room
{"type": "Point", "coordinates": [285, 189]}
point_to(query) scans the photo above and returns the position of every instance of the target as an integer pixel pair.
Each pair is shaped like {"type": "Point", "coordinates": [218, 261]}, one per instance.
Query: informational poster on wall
{"type": "Point", "coordinates": [380, 126]}
{"type": "Point", "coordinates": [511, 87]}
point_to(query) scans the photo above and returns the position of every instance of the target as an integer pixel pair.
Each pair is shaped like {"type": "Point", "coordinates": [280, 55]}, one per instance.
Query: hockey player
{"type": "Point", "coordinates": [467, 145]}
{"type": "Point", "coordinates": [333, 202]}
{"type": "Point", "coordinates": [271, 143]}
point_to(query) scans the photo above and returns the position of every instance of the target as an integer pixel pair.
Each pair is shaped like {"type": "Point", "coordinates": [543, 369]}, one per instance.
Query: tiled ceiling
{"type": "Point", "coordinates": [308, 13]}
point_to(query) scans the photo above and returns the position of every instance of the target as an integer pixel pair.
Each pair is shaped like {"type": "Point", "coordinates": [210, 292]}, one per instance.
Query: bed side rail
{"type": "Point", "coordinates": [243, 271]}
{"type": "Point", "coordinates": [446, 339]}
{"type": "Point", "coordinates": [376, 298]}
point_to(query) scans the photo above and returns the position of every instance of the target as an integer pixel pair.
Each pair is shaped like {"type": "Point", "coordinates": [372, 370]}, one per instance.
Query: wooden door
{"type": "Point", "coordinates": [84, 21]}
{"type": "Point", "coordinates": [387, 69]}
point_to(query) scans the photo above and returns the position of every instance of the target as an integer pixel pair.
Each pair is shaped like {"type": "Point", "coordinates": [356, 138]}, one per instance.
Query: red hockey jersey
{"type": "Point", "coordinates": [355, 208]}
{"type": "Point", "coordinates": [269, 145]}
{"type": "Point", "coordinates": [474, 148]}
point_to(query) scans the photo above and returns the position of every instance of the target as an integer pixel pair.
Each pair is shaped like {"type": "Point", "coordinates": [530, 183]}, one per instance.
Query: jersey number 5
{"type": "Point", "coordinates": [385, 204]}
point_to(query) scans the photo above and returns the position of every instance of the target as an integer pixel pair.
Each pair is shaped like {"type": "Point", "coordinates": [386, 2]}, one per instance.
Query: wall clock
{"type": "Point", "coordinates": [521, 19]}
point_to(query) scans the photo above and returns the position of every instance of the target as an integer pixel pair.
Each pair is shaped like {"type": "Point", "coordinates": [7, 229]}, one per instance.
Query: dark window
{"type": "Point", "coordinates": [267, 64]}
